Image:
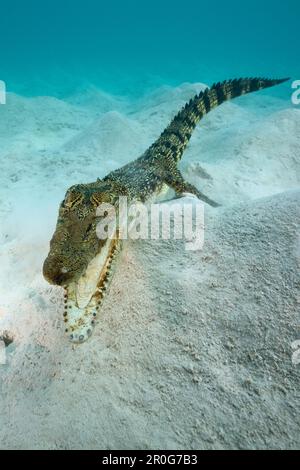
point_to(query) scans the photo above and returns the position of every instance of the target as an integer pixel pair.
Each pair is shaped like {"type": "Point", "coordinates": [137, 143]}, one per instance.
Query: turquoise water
{"type": "Point", "coordinates": [127, 47]}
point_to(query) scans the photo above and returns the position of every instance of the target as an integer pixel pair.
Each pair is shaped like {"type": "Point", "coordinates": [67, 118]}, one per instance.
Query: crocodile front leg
{"type": "Point", "coordinates": [176, 181]}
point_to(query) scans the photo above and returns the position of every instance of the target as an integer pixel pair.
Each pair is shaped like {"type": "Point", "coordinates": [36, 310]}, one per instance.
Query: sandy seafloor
{"type": "Point", "coordinates": [192, 350]}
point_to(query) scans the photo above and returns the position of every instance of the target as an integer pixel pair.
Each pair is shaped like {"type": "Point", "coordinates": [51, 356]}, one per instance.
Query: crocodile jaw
{"type": "Point", "coordinates": [83, 298]}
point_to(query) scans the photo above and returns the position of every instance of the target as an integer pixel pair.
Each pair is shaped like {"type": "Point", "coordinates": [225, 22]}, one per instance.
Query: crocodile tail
{"type": "Point", "coordinates": [176, 136]}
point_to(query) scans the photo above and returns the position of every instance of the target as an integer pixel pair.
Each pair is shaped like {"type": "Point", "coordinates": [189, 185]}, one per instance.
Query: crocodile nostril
{"type": "Point", "coordinates": [55, 275]}
{"type": "Point", "coordinates": [59, 279]}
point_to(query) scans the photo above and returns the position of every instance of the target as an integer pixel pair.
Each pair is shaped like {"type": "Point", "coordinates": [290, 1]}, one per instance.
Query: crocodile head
{"type": "Point", "coordinates": [78, 260]}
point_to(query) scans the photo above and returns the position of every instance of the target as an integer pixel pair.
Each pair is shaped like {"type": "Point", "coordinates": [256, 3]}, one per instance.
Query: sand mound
{"type": "Point", "coordinates": [193, 349]}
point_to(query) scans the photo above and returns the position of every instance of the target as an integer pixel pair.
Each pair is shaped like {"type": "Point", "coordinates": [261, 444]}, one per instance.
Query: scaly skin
{"type": "Point", "coordinates": [77, 257]}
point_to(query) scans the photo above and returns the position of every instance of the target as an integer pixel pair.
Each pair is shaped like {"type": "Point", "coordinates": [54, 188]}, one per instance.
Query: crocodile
{"type": "Point", "coordinates": [82, 263]}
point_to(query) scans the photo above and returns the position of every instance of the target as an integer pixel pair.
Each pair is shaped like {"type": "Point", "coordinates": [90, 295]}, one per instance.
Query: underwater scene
{"type": "Point", "coordinates": [149, 225]}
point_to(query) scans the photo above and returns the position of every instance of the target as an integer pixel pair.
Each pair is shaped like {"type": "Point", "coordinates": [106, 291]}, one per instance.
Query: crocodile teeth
{"type": "Point", "coordinates": [86, 285]}
{"type": "Point", "coordinates": [83, 299]}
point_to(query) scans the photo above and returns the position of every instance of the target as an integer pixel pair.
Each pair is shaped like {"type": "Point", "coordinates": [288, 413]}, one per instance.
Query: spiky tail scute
{"type": "Point", "coordinates": [176, 136]}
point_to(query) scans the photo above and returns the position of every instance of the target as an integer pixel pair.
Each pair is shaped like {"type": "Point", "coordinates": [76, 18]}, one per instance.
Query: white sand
{"type": "Point", "coordinates": [193, 349]}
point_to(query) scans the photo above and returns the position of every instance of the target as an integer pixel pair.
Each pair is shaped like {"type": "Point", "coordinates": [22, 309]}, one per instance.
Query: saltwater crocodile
{"type": "Point", "coordinates": [82, 263]}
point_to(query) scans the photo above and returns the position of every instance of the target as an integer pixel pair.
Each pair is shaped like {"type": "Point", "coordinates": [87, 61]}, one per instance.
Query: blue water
{"type": "Point", "coordinates": [55, 47]}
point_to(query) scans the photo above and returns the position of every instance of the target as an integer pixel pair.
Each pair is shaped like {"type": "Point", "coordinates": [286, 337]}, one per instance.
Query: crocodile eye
{"type": "Point", "coordinates": [72, 199]}
{"type": "Point", "coordinates": [96, 200]}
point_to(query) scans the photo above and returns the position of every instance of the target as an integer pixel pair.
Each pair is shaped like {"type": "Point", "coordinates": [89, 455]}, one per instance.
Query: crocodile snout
{"type": "Point", "coordinates": [55, 273]}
